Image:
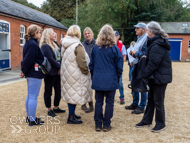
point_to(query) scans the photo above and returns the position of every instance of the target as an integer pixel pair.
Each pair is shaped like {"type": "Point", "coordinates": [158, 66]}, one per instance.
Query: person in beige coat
{"type": "Point", "coordinates": [75, 75]}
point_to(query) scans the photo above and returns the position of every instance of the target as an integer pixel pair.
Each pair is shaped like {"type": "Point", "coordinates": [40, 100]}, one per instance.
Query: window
{"type": "Point", "coordinates": [189, 46]}
{"type": "Point", "coordinates": [55, 36]}
{"type": "Point", "coordinates": [22, 33]}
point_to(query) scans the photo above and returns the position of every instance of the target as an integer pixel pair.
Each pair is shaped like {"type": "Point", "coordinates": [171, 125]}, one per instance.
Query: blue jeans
{"type": "Point", "coordinates": [130, 72]}
{"type": "Point", "coordinates": [121, 90]}
{"type": "Point", "coordinates": [136, 96]}
{"type": "Point", "coordinates": [71, 108]}
{"type": "Point", "coordinates": [136, 99]}
{"type": "Point", "coordinates": [108, 114]}
{"type": "Point", "coordinates": [33, 85]}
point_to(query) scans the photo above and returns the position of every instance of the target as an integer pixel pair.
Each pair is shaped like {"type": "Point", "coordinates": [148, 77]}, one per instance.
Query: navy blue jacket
{"type": "Point", "coordinates": [31, 55]}
{"type": "Point", "coordinates": [50, 55]}
{"type": "Point", "coordinates": [106, 67]}
{"type": "Point", "coordinates": [158, 60]}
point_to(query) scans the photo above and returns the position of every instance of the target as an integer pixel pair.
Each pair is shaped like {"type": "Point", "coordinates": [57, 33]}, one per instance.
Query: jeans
{"type": "Point", "coordinates": [156, 96]}
{"type": "Point", "coordinates": [136, 96]}
{"type": "Point", "coordinates": [52, 81]}
{"type": "Point", "coordinates": [121, 90]}
{"type": "Point", "coordinates": [130, 72]}
{"type": "Point", "coordinates": [33, 85]}
{"type": "Point", "coordinates": [71, 108]}
{"type": "Point", "coordinates": [136, 99]}
{"type": "Point", "coordinates": [108, 114]}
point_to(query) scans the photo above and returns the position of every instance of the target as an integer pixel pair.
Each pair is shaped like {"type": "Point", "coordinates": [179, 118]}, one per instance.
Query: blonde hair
{"type": "Point", "coordinates": [132, 43]}
{"type": "Point", "coordinates": [74, 31]}
{"type": "Point", "coordinates": [89, 30]}
{"type": "Point", "coordinates": [106, 36]}
{"type": "Point", "coordinates": [45, 39]}
{"type": "Point", "coordinates": [31, 30]}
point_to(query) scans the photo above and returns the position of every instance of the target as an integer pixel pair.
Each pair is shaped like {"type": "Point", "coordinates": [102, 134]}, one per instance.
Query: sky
{"type": "Point", "coordinates": [36, 2]}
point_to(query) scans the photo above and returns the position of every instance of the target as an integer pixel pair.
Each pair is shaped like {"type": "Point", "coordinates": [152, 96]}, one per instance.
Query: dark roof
{"type": "Point", "coordinates": [176, 27]}
{"type": "Point", "coordinates": [17, 10]}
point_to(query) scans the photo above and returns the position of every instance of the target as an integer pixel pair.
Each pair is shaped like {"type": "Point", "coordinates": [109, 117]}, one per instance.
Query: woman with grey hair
{"type": "Point", "coordinates": [159, 72]}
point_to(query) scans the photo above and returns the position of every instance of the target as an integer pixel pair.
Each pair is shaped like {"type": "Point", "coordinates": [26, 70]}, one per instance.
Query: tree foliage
{"type": "Point", "coordinates": [25, 2]}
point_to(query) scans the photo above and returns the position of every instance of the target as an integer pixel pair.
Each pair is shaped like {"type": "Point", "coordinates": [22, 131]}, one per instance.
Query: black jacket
{"type": "Point", "coordinates": [31, 55]}
{"type": "Point", "coordinates": [89, 46]}
{"type": "Point", "coordinates": [139, 84]}
{"type": "Point", "coordinates": [50, 55]}
{"type": "Point", "coordinates": [158, 60]}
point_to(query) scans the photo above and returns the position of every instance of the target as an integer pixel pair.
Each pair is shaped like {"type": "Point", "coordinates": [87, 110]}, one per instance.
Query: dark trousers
{"type": "Point", "coordinates": [98, 115]}
{"type": "Point", "coordinates": [156, 96]}
{"type": "Point", "coordinates": [71, 108]}
{"type": "Point", "coordinates": [52, 81]}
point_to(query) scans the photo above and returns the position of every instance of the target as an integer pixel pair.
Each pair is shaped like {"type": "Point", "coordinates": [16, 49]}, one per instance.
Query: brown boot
{"type": "Point", "coordinates": [91, 108]}
{"type": "Point", "coordinates": [83, 107]}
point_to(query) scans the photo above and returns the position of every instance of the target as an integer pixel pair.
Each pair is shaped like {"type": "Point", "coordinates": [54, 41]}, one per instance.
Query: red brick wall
{"type": "Point", "coordinates": [16, 49]}
{"type": "Point", "coordinates": [185, 55]}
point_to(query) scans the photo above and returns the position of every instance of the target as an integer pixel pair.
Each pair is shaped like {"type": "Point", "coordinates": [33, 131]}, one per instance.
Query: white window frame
{"type": "Point", "coordinates": [61, 36]}
{"type": "Point", "coordinates": [189, 46]}
{"type": "Point", "coordinates": [22, 32]}
{"type": "Point", "coordinates": [55, 36]}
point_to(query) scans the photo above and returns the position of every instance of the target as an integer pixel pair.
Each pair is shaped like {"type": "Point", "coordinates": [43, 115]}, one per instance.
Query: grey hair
{"type": "Point", "coordinates": [156, 29]}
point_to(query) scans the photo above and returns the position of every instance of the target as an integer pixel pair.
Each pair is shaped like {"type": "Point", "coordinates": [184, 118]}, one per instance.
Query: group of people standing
{"type": "Point", "coordinates": [77, 68]}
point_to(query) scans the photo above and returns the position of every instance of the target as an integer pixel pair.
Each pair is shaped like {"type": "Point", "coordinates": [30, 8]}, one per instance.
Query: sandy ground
{"type": "Point", "coordinates": [14, 129]}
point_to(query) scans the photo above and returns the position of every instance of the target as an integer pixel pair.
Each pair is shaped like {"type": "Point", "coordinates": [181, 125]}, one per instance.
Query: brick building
{"type": "Point", "coordinates": [179, 37]}
{"type": "Point", "coordinates": [14, 21]}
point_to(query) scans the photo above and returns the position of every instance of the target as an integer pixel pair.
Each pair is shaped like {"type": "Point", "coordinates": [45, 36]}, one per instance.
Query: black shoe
{"type": "Point", "coordinates": [131, 107]}
{"type": "Point", "coordinates": [98, 129]}
{"type": "Point", "coordinates": [122, 101]}
{"type": "Point", "coordinates": [51, 113]}
{"type": "Point", "coordinates": [83, 107]}
{"type": "Point", "coordinates": [36, 122]}
{"type": "Point", "coordinates": [157, 129]}
{"type": "Point", "coordinates": [58, 110]}
{"type": "Point", "coordinates": [72, 120]}
{"type": "Point", "coordinates": [141, 124]}
{"type": "Point", "coordinates": [106, 129]}
{"type": "Point", "coordinates": [27, 120]}
{"type": "Point", "coordinates": [77, 117]}
{"type": "Point", "coordinates": [138, 110]}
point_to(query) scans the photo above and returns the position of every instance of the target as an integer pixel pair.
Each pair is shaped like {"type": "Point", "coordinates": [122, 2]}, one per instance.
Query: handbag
{"type": "Point", "coordinates": [45, 66]}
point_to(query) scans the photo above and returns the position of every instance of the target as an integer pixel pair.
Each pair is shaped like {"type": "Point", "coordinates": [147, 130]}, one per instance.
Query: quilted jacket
{"type": "Point", "coordinates": [75, 86]}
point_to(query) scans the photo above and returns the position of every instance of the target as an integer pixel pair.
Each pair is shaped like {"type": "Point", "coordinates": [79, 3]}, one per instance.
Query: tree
{"type": "Point", "coordinates": [25, 2]}
{"type": "Point", "coordinates": [60, 9]}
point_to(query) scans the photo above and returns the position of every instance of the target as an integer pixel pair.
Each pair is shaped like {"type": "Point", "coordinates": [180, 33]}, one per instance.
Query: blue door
{"type": "Point", "coordinates": [175, 49]}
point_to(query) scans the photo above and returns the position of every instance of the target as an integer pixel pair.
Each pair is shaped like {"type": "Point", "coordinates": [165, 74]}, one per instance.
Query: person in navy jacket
{"type": "Point", "coordinates": [32, 57]}
{"type": "Point", "coordinates": [52, 79]}
{"type": "Point", "coordinates": [159, 72]}
{"type": "Point", "coordinates": [106, 67]}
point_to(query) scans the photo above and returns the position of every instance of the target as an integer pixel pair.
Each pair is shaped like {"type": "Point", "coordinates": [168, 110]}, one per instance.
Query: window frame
{"type": "Point", "coordinates": [189, 46]}
{"type": "Point", "coordinates": [22, 32]}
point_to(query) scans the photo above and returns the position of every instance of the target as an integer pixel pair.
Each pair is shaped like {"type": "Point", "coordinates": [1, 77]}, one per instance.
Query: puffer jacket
{"type": "Point", "coordinates": [75, 86]}
{"type": "Point", "coordinates": [158, 60]}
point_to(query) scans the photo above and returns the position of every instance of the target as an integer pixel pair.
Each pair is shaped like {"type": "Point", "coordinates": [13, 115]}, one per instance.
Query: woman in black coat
{"type": "Point", "coordinates": [52, 79]}
{"type": "Point", "coordinates": [159, 72]}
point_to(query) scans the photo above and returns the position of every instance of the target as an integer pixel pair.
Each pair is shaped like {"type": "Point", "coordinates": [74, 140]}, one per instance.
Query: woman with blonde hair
{"type": "Point", "coordinates": [32, 58]}
{"type": "Point", "coordinates": [75, 75]}
{"type": "Point", "coordinates": [106, 67]}
{"type": "Point", "coordinates": [52, 79]}
{"type": "Point", "coordinates": [88, 44]}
